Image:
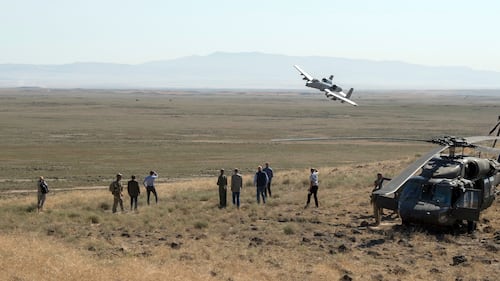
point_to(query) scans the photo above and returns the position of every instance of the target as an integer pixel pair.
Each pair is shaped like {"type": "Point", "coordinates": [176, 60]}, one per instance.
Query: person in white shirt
{"type": "Point", "coordinates": [149, 183]}
{"type": "Point", "coordinates": [313, 187]}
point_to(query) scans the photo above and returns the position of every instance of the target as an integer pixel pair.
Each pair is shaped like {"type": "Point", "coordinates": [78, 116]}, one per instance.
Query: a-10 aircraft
{"type": "Point", "coordinates": [326, 85]}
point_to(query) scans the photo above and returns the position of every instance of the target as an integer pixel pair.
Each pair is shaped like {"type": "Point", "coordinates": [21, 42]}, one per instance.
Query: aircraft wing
{"type": "Point", "coordinates": [339, 96]}
{"type": "Point", "coordinates": [303, 73]}
{"type": "Point", "coordinates": [400, 179]}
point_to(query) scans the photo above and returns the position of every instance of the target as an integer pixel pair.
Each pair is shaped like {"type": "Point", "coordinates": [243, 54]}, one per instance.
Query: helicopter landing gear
{"type": "Point", "coordinates": [471, 226]}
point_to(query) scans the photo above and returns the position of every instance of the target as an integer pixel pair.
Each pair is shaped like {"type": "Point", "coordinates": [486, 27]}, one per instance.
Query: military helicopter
{"type": "Point", "coordinates": [442, 190]}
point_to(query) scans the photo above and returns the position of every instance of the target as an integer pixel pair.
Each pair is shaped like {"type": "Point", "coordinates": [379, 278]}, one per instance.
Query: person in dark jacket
{"type": "Point", "coordinates": [260, 181]}
{"type": "Point", "coordinates": [269, 172]}
{"type": "Point", "coordinates": [133, 192]}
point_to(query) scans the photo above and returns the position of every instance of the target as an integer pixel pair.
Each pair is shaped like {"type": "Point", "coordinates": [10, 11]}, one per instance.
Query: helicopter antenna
{"type": "Point", "coordinates": [497, 126]}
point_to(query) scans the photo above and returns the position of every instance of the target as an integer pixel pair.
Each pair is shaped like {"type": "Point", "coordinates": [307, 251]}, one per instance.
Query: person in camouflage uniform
{"type": "Point", "coordinates": [116, 189]}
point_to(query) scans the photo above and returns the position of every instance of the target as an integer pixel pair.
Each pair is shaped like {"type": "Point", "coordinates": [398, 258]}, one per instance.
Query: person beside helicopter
{"type": "Point", "coordinates": [377, 184]}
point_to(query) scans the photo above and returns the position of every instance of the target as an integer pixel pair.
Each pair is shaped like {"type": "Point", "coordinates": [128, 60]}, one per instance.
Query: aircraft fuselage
{"type": "Point", "coordinates": [320, 85]}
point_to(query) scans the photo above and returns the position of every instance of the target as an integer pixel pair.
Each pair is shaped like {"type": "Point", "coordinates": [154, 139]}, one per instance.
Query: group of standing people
{"type": "Point", "coordinates": [262, 181]}
{"type": "Point", "coordinates": [116, 189]}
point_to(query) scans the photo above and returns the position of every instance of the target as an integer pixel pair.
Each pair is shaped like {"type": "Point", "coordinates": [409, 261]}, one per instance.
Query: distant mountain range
{"type": "Point", "coordinates": [246, 71]}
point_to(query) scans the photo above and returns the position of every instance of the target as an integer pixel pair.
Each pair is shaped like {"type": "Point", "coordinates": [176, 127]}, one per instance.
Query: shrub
{"type": "Point", "coordinates": [288, 230]}
{"type": "Point", "coordinates": [104, 206]}
{"type": "Point", "coordinates": [31, 208]}
{"type": "Point", "coordinates": [94, 219]}
{"type": "Point", "coordinates": [200, 224]}
{"type": "Point", "coordinates": [73, 215]}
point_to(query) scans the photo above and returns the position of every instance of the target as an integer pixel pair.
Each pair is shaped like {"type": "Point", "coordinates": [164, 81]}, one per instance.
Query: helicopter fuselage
{"type": "Point", "coordinates": [447, 190]}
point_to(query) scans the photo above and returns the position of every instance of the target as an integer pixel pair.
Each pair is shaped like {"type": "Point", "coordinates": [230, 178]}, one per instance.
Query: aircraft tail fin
{"type": "Point", "coordinates": [348, 96]}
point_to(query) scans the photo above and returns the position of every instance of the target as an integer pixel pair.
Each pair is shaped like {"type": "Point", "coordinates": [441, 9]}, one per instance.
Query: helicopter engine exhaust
{"type": "Point", "coordinates": [476, 168]}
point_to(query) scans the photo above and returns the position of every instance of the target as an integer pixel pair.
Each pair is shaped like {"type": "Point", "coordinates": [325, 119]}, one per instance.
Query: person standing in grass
{"type": "Point", "coordinates": [313, 187]}
{"type": "Point", "coordinates": [260, 181]}
{"type": "Point", "coordinates": [116, 189]}
{"type": "Point", "coordinates": [149, 183]}
{"type": "Point", "coordinates": [236, 185]}
{"type": "Point", "coordinates": [222, 183]}
{"type": "Point", "coordinates": [269, 173]}
{"type": "Point", "coordinates": [133, 192]}
{"type": "Point", "coordinates": [43, 189]}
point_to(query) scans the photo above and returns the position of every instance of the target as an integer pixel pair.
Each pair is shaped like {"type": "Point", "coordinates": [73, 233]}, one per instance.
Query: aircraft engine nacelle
{"type": "Point", "coordinates": [476, 168]}
{"type": "Point", "coordinates": [336, 88]}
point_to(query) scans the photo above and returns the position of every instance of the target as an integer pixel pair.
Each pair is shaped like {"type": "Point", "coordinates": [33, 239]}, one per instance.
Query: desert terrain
{"type": "Point", "coordinates": [79, 139]}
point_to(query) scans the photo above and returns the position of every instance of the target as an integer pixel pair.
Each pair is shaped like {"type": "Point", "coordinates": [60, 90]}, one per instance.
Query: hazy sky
{"type": "Point", "coordinates": [430, 32]}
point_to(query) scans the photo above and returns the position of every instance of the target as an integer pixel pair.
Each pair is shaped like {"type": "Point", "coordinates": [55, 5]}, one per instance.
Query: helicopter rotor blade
{"type": "Point", "coordinates": [475, 139]}
{"type": "Point", "coordinates": [487, 149]}
{"type": "Point", "coordinates": [393, 185]}
{"type": "Point", "coordinates": [441, 140]}
{"type": "Point", "coordinates": [349, 138]}
{"type": "Point", "coordinates": [494, 128]}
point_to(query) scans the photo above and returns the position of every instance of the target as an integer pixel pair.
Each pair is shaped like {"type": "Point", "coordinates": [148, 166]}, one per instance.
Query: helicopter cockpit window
{"type": "Point", "coordinates": [469, 200]}
{"type": "Point", "coordinates": [427, 192]}
{"type": "Point", "coordinates": [410, 189]}
{"type": "Point", "coordinates": [442, 195]}
{"type": "Point", "coordinates": [488, 188]}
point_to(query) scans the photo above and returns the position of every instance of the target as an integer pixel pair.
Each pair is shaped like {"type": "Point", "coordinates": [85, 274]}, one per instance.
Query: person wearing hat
{"type": "Point", "coordinates": [116, 189]}
{"type": "Point", "coordinates": [133, 191]}
{"type": "Point", "coordinates": [222, 183]}
{"type": "Point", "coordinates": [313, 187]}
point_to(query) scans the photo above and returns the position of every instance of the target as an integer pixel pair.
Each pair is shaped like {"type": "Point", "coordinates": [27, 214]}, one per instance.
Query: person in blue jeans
{"type": "Point", "coordinates": [236, 185]}
{"type": "Point", "coordinates": [260, 180]}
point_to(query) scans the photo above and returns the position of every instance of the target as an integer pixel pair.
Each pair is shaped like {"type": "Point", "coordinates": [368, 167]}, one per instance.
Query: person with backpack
{"type": "Point", "coordinates": [43, 189]}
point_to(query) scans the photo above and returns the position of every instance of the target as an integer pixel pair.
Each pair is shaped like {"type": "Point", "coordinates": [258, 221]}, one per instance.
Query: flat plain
{"type": "Point", "coordinates": [82, 138]}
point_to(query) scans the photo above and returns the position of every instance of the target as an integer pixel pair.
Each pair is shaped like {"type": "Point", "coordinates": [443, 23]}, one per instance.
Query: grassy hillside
{"type": "Point", "coordinates": [186, 237]}
{"type": "Point", "coordinates": [82, 138]}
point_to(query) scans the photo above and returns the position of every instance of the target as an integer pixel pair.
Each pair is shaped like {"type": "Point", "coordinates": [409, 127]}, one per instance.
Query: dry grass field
{"type": "Point", "coordinates": [79, 138]}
